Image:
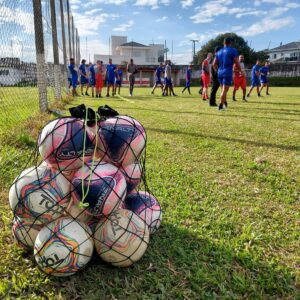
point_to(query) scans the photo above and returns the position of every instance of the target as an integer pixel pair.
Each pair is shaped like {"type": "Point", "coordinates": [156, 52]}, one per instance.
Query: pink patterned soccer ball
{"type": "Point", "coordinates": [61, 143]}
{"type": "Point", "coordinates": [133, 175]}
{"type": "Point", "coordinates": [104, 186]}
{"type": "Point", "coordinates": [39, 195]}
{"type": "Point", "coordinates": [146, 207]}
{"type": "Point", "coordinates": [121, 140]}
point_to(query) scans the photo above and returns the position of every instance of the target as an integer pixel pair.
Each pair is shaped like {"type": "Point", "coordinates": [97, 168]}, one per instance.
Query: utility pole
{"type": "Point", "coordinates": [69, 29]}
{"type": "Point", "coordinates": [40, 55]}
{"type": "Point", "coordinates": [56, 72]}
{"type": "Point", "coordinates": [166, 50]}
{"type": "Point", "coordinates": [73, 38]}
{"type": "Point", "coordinates": [62, 20]}
{"type": "Point", "coordinates": [194, 47]}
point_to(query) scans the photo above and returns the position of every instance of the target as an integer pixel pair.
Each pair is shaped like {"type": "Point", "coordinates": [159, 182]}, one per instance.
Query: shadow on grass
{"type": "Point", "coordinates": [180, 265]}
{"type": "Point", "coordinates": [226, 139]}
{"type": "Point", "coordinates": [274, 103]}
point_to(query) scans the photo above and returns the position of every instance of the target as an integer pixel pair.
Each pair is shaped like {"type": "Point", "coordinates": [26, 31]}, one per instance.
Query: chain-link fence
{"type": "Point", "coordinates": [37, 38]}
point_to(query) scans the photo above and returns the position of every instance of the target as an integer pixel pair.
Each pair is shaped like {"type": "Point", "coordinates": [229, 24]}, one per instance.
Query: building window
{"type": "Point", "coordinates": [275, 56]}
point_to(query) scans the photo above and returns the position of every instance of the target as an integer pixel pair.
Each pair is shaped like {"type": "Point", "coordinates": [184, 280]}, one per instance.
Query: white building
{"type": "Point", "coordinates": [285, 53]}
{"type": "Point", "coordinates": [122, 51]}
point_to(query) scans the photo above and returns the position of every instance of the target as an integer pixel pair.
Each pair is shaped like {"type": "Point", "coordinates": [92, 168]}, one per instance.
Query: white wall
{"type": "Point", "coordinates": [10, 76]}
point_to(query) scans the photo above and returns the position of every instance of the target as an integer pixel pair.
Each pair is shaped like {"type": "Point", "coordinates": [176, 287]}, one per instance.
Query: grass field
{"type": "Point", "coordinates": [228, 183]}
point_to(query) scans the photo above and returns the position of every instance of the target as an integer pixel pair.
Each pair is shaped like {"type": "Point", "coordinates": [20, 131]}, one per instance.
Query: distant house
{"type": "Point", "coordinates": [285, 53]}
{"type": "Point", "coordinates": [122, 51]}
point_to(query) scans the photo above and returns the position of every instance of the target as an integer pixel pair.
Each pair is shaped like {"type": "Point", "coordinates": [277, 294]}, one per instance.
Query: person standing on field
{"type": "Point", "coordinates": [239, 78]}
{"type": "Point", "coordinates": [110, 75]}
{"type": "Point", "coordinates": [215, 83]}
{"type": "Point", "coordinates": [159, 70]}
{"type": "Point", "coordinates": [131, 70]}
{"type": "Point", "coordinates": [74, 76]}
{"type": "Point", "coordinates": [255, 78]}
{"type": "Point", "coordinates": [205, 75]}
{"type": "Point", "coordinates": [264, 73]}
{"type": "Point", "coordinates": [223, 62]}
{"type": "Point", "coordinates": [188, 77]}
{"type": "Point", "coordinates": [99, 77]}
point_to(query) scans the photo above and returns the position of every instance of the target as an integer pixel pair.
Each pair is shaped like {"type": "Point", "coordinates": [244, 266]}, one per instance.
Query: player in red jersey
{"type": "Point", "coordinates": [239, 78]}
{"type": "Point", "coordinates": [206, 75]}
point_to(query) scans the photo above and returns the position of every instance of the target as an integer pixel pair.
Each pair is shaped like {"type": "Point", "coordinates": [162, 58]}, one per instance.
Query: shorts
{"type": "Point", "coordinates": [74, 84]}
{"type": "Point", "coordinates": [92, 81]}
{"type": "Point", "coordinates": [188, 83]}
{"type": "Point", "coordinates": [99, 81]}
{"type": "Point", "coordinates": [168, 81]}
{"type": "Point", "coordinates": [158, 81]}
{"type": "Point", "coordinates": [83, 80]}
{"type": "Point", "coordinates": [118, 82]}
{"type": "Point", "coordinates": [239, 82]}
{"type": "Point", "coordinates": [254, 82]}
{"type": "Point", "coordinates": [205, 80]}
{"type": "Point", "coordinates": [225, 80]}
{"type": "Point", "coordinates": [110, 81]}
{"type": "Point", "coordinates": [264, 80]}
{"type": "Point", "coordinates": [131, 79]}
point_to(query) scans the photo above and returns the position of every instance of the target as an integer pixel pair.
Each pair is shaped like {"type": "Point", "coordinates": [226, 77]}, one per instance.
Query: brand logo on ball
{"type": "Point", "coordinates": [50, 261]}
{"type": "Point", "coordinates": [115, 222]}
{"type": "Point", "coordinates": [50, 204]}
{"type": "Point", "coordinates": [69, 154]}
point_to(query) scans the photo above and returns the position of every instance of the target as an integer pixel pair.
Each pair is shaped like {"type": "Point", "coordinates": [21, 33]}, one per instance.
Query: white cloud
{"type": "Point", "coordinates": [94, 46]}
{"type": "Point", "coordinates": [93, 11]}
{"type": "Point", "coordinates": [267, 24]}
{"type": "Point", "coordinates": [124, 27]}
{"type": "Point", "coordinates": [182, 58]}
{"type": "Point", "coordinates": [251, 13]}
{"type": "Point", "coordinates": [187, 3]}
{"type": "Point", "coordinates": [155, 4]}
{"type": "Point", "coordinates": [162, 19]}
{"type": "Point", "coordinates": [178, 16]}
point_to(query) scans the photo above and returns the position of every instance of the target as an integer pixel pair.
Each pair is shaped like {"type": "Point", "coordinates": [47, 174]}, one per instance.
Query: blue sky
{"type": "Point", "coordinates": [260, 22]}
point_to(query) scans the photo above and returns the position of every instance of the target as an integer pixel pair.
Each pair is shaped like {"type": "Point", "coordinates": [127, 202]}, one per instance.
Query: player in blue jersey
{"type": "Point", "coordinates": [110, 75]}
{"type": "Point", "coordinates": [264, 82]}
{"type": "Point", "coordinates": [255, 78]}
{"type": "Point", "coordinates": [92, 77]}
{"type": "Point", "coordinates": [188, 77]}
{"type": "Point", "coordinates": [118, 80]}
{"type": "Point", "coordinates": [223, 62]}
{"type": "Point", "coordinates": [159, 70]}
{"type": "Point", "coordinates": [74, 76]}
{"type": "Point", "coordinates": [83, 77]}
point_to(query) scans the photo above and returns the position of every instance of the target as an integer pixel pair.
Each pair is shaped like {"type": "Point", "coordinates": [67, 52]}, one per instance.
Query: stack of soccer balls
{"type": "Point", "coordinates": [85, 193]}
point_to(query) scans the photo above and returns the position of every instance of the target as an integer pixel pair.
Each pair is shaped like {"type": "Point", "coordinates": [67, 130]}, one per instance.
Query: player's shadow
{"type": "Point", "coordinates": [274, 103]}
{"type": "Point", "coordinates": [181, 265]}
{"type": "Point", "coordinates": [272, 110]}
{"type": "Point", "coordinates": [227, 139]}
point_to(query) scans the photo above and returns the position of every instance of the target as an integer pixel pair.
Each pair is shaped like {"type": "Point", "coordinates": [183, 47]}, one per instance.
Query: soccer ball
{"type": "Point", "coordinates": [25, 233]}
{"type": "Point", "coordinates": [145, 206]}
{"type": "Point", "coordinates": [104, 185]}
{"type": "Point", "coordinates": [39, 195]}
{"type": "Point", "coordinates": [61, 143]}
{"type": "Point", "coordinates": [121, 140]}
{"type": "Point", "coordinates": [78, 213]}
{"type": "Point", "coordinates": [132, 174]}
{"type": "Point", "coordinates": [63, 247]}
{"type": "Point", "coordinates": [122, 238]}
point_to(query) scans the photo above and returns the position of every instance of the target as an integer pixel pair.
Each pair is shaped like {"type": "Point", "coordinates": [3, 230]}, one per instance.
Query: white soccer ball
{"type": "Point", "coordinates": [122, 238]}
{"type": "Point", "coordinates": [63, 247]}
{"type": "Point", "coordinates": [39, 195]}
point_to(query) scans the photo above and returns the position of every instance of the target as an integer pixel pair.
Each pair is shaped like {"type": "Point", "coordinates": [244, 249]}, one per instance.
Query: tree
{"type": "Point", "coordinates": [238, 42]}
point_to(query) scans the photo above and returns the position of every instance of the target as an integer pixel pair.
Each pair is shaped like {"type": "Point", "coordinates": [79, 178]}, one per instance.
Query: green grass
{"type": "Point", "coordinates": [228, 183]}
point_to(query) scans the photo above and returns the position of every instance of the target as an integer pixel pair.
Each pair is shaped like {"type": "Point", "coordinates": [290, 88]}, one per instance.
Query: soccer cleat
{"type": "Point", "coordinates": [86, 93]}
{"type": "Point", "coordinates": [213, 104]}
{"type": "Point", "coordinates": [174, 95]}
{"type": "Point", "coordinates": [248, 95]}
{"type": "Point", "coordinates": [233, 98]}
{"type": "Point", "coordinates": [226, 104]}
{"type": "Point", "coordinates": [268, 94]}
{"type": "Point", "coordinates": [152, 93]}
{"type": "Point", "coordinates": [221, 107]}
{"type": "Point", "coordinates": [107, 95]}
{"type": "Point", "coordinates": [93, 96]}
{"type": "Point", "coordinates": [258, 95]}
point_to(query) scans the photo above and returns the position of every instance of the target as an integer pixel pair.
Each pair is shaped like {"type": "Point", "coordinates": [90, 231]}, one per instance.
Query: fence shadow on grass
{"type": "Point", "coordinates": [227, 139]}
{"type": "Point", "coordinates": [180, 265]}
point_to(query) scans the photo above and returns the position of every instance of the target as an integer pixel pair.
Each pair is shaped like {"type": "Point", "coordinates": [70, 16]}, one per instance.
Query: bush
{"type": "Point", "coordinates": [285, 81]}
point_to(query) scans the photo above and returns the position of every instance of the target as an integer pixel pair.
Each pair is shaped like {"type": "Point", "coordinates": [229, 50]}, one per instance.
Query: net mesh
{"type": "Point", "coordinates": [87, 188]}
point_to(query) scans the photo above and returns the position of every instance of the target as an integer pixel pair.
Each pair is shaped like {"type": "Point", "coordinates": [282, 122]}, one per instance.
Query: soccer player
{"type": "Point", "coordinates": [99, 77]}
{"type": "Point", "coordinates": [74, 76]}
{"type": "Point", "coordinates": [188, 77]}
{"type": "Point", "coordinates": [205, 75]}
{"type": "Point", "coordinates": [255, 78]}
{"type": "Point", "coordinates": [264, 82]}
{"type": "Point", "coordinates": [215, 83]}
{"type": "Point", "coordinates": [92, 76]}
{"type": "Point", "coordinates": [118, 80]}
{"type": "Point", "coordinates": [168, 80]}
{"type": "Point", "coordinates": [110, 75]}
{"type": "Point", "coordinates": [83, 77]}
{"type": "Point", "coordinates": [223, 62]}
{"type": "Point", "coordinates": [131, 70]}
{"type": "Point", "coordinates": [239, 78]}
{"type": "Point", "coordinates": [158, 80]}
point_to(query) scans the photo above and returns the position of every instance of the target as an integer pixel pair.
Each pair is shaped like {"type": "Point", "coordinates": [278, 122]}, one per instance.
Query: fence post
{"type": "Point", "coordinates": [73, 38]}
{"type": "Point", "coordinates": [57, 71]}
{"type": "Point", "coordinates": [64, 43]}
{"type": "Point", "coordinates": [69, 29]}
{"type": "Point", "coordinates": [40, 55]}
